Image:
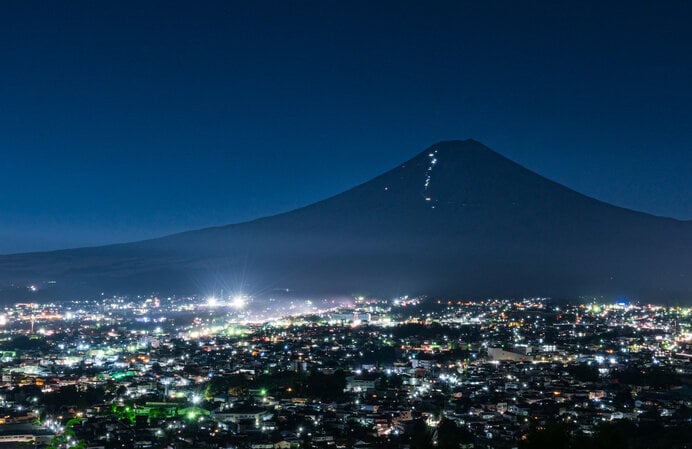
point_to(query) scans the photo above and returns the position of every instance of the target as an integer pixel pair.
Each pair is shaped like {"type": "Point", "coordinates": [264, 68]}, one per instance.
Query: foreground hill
{"type": "Point", "coordinates": [458, 219]}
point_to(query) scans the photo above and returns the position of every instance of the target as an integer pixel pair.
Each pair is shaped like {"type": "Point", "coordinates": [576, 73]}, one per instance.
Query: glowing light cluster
{"type": "Point", "coordinates": [432, 157]}
{"type": "Point", "coordinates": [237, 302]}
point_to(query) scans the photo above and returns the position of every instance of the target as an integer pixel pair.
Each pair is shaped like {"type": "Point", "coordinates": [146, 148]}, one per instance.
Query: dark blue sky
{"type": "Point", "coordinates": [126, 120]}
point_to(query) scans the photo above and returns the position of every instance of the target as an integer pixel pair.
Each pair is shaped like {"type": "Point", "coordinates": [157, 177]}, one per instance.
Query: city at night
{"type": "Point", "coordinates": [345, 225]}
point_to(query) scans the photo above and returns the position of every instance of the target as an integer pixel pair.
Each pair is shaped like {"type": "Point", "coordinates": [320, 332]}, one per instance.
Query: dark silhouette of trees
{"type": "Point", "coordinates": [584, 372]}
{"type": "Point", "coordinates": [450, 436]}
{"type": "Point", "coordinates": [623, 434]}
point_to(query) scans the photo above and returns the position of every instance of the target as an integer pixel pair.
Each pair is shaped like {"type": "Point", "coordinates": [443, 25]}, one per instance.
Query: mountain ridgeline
{"type": "Point", "coordinates": [457, 220]}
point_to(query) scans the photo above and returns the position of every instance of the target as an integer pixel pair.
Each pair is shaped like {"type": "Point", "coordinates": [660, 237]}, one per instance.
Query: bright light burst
{"type": "Point", "coordinates": [237, 302]}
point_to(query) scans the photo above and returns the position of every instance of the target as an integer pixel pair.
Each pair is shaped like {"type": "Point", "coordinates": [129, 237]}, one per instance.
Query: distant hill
{"type": "Point", "coordinates": [457, 220]}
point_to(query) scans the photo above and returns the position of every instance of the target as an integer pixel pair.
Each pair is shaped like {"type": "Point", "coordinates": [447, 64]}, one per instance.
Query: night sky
{"type": "Point", "coordinates": [127, 120]}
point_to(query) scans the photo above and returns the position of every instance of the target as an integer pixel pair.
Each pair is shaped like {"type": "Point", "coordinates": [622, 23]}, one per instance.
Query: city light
{"type": "Point", "coordinates": [238, 302]}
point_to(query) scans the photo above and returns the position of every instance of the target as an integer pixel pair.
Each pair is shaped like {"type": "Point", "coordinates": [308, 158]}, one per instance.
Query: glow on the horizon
{"type": "Point", "coordinates": [237, 302]}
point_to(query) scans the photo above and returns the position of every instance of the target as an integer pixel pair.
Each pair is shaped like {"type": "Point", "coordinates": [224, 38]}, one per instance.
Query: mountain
{"type": "Point", "coordinates": [457, 220]}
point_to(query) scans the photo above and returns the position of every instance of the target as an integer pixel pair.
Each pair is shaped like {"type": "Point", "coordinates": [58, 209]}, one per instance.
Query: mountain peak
{"type": "Point", "coordinates": [463, 153]}
{"type": "Point", "coordinates": [458, 219]}
{"type": "Point", "coordinates": [458, 146]}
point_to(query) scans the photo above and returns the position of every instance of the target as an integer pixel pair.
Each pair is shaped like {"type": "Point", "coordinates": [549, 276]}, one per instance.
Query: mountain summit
{"type": "Point", "coordinates": [457, 220]}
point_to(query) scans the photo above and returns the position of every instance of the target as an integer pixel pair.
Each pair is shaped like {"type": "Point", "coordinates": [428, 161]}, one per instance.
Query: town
{"type": "Point", "coordinates": [236, 372]}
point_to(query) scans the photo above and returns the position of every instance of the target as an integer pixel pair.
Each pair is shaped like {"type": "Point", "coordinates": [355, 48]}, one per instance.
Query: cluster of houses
{"type": "Point", "coordinates": [346, 378]}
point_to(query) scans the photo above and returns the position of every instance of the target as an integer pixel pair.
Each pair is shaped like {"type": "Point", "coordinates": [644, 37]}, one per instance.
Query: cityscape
{"type": "Point", "coordinates": [234, 372]}
{"type": "Point", "coordinates": [320, 224]}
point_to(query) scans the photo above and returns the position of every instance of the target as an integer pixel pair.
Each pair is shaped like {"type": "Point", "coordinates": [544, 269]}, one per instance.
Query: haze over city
{"type": "Point", "coordinates": [345, 225]}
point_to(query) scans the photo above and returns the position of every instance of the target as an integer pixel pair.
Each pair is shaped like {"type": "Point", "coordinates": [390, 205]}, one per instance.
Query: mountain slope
{"type": "Point", "coordinates": [458, 219]}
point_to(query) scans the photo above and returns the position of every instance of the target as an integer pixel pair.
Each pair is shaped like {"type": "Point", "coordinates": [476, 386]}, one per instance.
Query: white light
{"type": "Point", "coordinates": [212, 301]}
{"type": "Point", "coordinates": [238, 302]}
